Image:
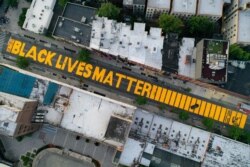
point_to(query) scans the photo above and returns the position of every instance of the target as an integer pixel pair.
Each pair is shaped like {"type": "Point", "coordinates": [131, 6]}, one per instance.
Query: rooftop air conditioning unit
{"type": "Point", "coordinates": [83, 20]}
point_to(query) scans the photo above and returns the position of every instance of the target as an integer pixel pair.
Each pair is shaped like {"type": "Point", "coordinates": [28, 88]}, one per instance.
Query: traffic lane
{"type": "Point", "coordinates": [122, 87]}
{"type": "Point", "coordinates": [116, 70]}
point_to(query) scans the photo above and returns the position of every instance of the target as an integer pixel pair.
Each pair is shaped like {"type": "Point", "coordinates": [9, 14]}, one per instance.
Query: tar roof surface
{"type": "Point", "coordinates": [117, 129]}
{"type": "Point", "coordinates": [76, 12]}
{"type": "Point", "coordinates": [66, 31]}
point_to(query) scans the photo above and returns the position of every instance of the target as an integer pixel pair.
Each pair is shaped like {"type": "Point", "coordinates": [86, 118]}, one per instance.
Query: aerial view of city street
{"type": "Point", "coordinates": [124, 83]}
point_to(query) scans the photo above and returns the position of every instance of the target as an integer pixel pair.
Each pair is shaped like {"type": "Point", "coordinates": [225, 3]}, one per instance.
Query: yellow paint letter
{"type": "Point", "coordinates": [119, 80]}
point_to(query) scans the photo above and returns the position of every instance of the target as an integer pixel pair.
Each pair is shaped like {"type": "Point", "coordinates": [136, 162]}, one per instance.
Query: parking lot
{"type": "Point", "coordinates": [59, 137]}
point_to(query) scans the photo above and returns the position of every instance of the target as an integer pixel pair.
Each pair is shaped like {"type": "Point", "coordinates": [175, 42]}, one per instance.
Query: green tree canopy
{"type": "Point", "coordinates": [237, 53]}
{"type": "Point", "coordinates": [199, 26]}
{"type": "Point", "coordinates": [22, 17]}
{"type": "Point", "coordinates": [84, 55]}
{"type": "Point", "coordinates": [209, 123]}
{"type": "Point", "coordinates": [141, 100]}
{"type": "Point", "coordinates": [170, 23]}
{"type": "Point", "coordinates": [62, 2]}
{"type": "Point", "coordinates": [12, 3]}
{"type": "Point", "coordinates": [22, 62]}
{"type": "Point", "coordinates": [183, 115]}
{"type": "Point", "coordinates": [108, 10]}
{"type": "Point", "coordinates": [235, 132]}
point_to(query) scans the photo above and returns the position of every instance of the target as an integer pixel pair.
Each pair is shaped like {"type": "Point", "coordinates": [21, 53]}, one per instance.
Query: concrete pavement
{"type": "Point", "coordinates": [59, 137]}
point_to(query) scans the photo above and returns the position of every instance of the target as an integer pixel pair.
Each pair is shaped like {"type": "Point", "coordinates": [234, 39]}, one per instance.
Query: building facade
{"type": "Point", "coordinates": [139, 7]}
{"type": "Point", "coordinates": [16, 115]}
{"type": "Point", "coordinates": [236, 26]}
{"type": "Point", "coordinates": [156, 8]}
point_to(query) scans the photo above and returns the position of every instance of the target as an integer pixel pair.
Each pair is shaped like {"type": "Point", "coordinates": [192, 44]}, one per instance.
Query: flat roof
{"type": "Point", "coordinates": [132, 151]}
{"type": "Point", "coordinates": [187, 54]}
{"type": "Point", "coordinates": [163, 4]}
{"type": "Point", "coordinates": [171, 136]}
{"type": "Point", "coordinates": [118, 129]}
{"type": "Point", "coordinates": [39, 15]}
{"type": "Point", "coordinates": [226, 152]}
{"type": "Point", "coordinates": [90, 115]}
{"type": "Point", "coordinates": [210, 7]}
{"type": "Point", "coordinates": [215, 60]}
{"type": "Point", "coordinates": [10, 107]}
{"type": "Point", "coordinates": [170, 54]}
{"type": "Point", "coordinates": [136, 45]}
{"type": "Point", "coordinates": [184, 6]}
{"type": "Point", "coordinates": [55, 157]}
{"type": "Point", "coordinates": [139, 2]}
{"type": "Point", "coordinates": [244, 26]}
{"type": "Point", "coordinates": [76, 12]}
{"type": "Point", "coordinates": [65, 28]}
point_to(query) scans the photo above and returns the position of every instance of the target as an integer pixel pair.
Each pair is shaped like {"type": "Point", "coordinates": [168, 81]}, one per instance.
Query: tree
{"type": "Point", "coordinates": [84, 55]}
{"type": "Point", "coordinates": [62, 2]}
{"type": "Point", "coordinates": [237, 53]}
{"type": "Point", "coordinates": [22, 62]}
{"type": "Point", "coordinates": [199, 26]}
{"type": "Point", "coordinates": [109, 10]}
{"type": "Point", "coordinates": [170, 23]}
{"type": "Point", "coordinates": [140, 100]}
{"type": "Point", "coordinates": [209, 123]}
{"type": "Point", "coordinates": [183, 115]}
{"type": "Point", "coordinates": [22, 17]}
{"type": "Point", "coordinates": [12, 3]}
{"type": "Point", "coordinates": [235, 132]}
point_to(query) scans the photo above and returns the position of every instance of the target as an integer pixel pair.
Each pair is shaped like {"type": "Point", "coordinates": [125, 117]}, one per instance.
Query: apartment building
{"type": "Point", "coordinates": [16, 115]}
{"type": "Point", "coordinates": [39, 15]}
{"type": "Point", "coordinates": [236, 25]}
{"type": "Point", "coordinates": [156, 8]}
{"type": "Point", "coordinates": [210, 8]}
{"type": "Point", "coordinates": [139, 6]}
{"type": "Point", "coordinates": [184, 8]}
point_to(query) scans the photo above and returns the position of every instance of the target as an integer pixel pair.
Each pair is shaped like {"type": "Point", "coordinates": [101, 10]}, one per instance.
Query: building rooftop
{"type": "Point", "coordinates": [39, 15]}
{"type": "Point", "coordinates": [79, 13]}
{"type": "Point", "coordinates": [163, 4]}
{"type": "Point", "coordinates": [56, 157]}
{"type": "Point", "coordinates": [171, 136]}
{"type": "Point", "coordinates": [186, 55]}
{"type": "Point", "coordinates": [184, 6]}
{"type": "Point", "coordinates": [214, 60]}
{"type": "Point", "coordinates": [210, 7]}
{"type": "Point", "coordinates": [10, 106]}
{"type": "Point", "coordinates": [139, 2]}
{"type": "Point", "coordinates": [75, 24]}
{"type": "Point", "coordinates": [136, 45]}
{"type": "Point", "coordinates": [73, 31]}
{"type": "Point", "coordinates": [226, 152]}
{"type": "Point", "coordinates": [244, 26]}
{"type": "Point", "coordinates": [170, 53]}
{"type": "Point", "coordinates": [118, 129]}
{"type": "Point", "coordinates": [132, 151]}
{"type": "Point", "coordinates": [128, 2]}
{"type": "Point", "coordinates": [90, 115]}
